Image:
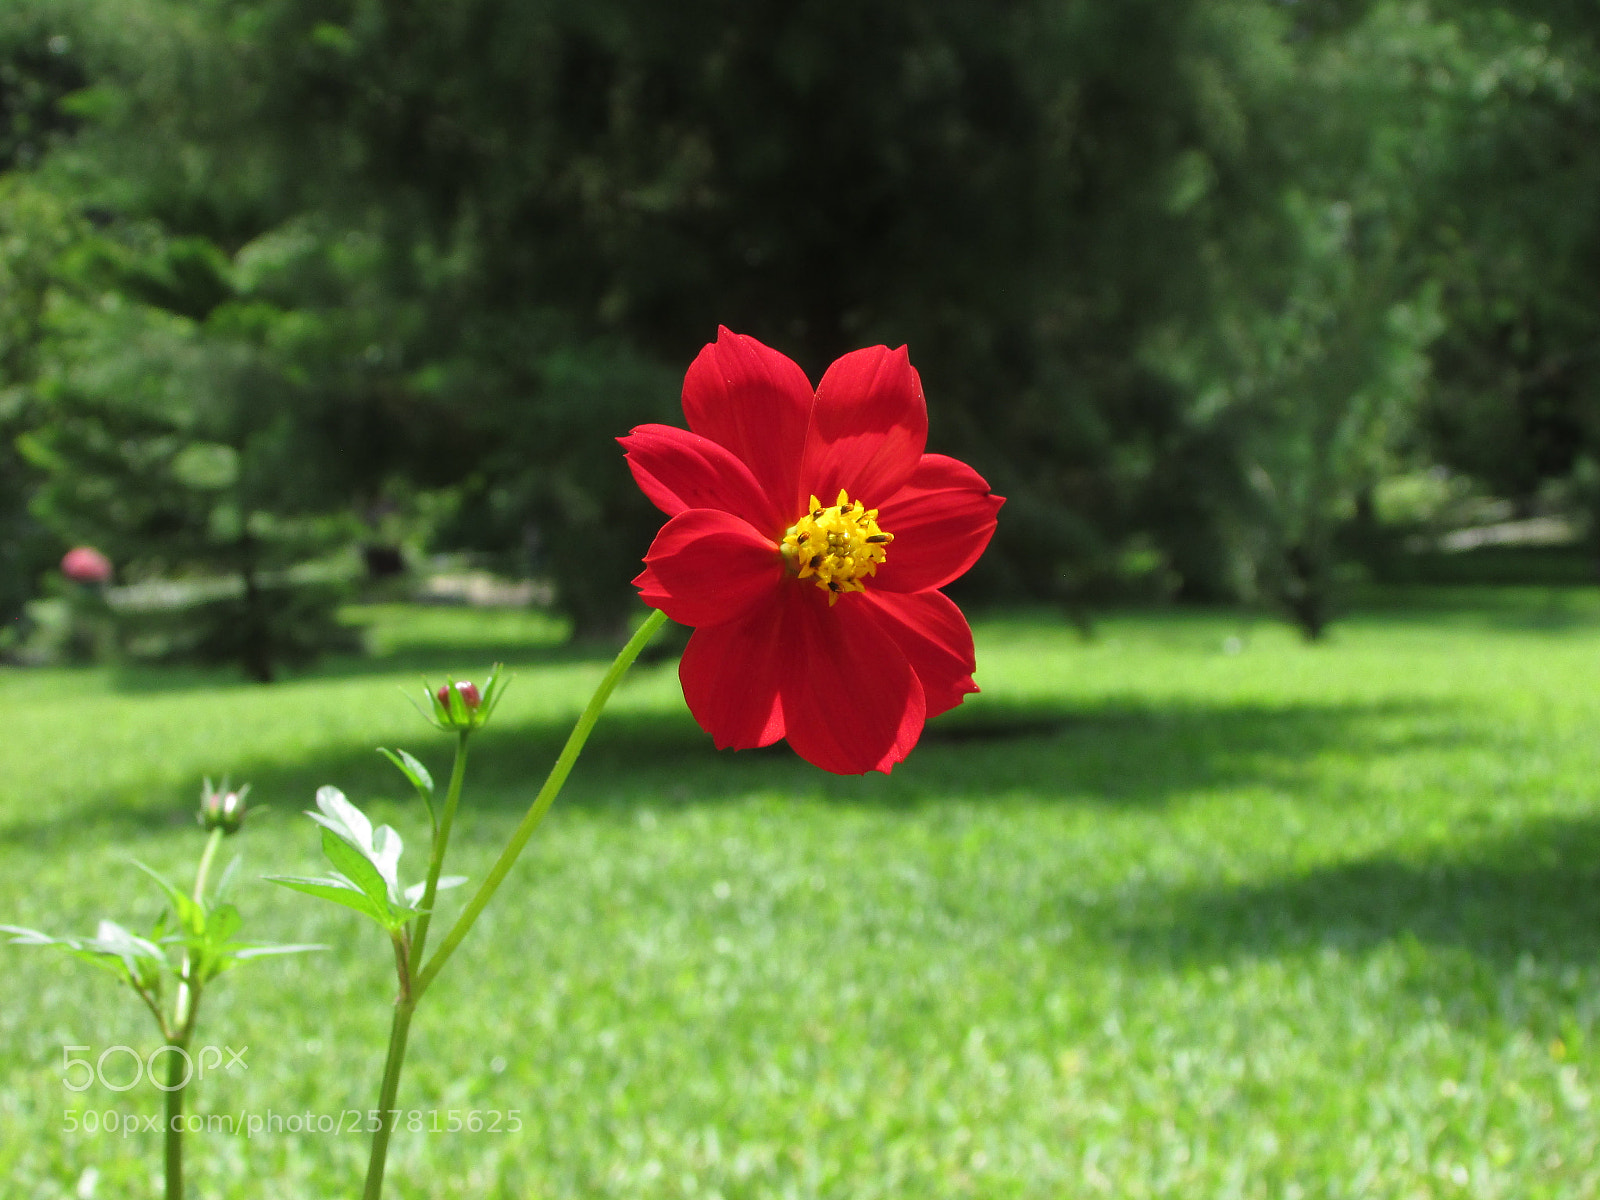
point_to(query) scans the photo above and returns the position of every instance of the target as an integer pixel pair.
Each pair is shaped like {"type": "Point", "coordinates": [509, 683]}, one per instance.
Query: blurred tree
{"type": "Point", "coordinates": [1307, 362]}
{"type": "Point", "coordinates": [37, 69]}
{"type": "Point", "coordinates": [35, 230]}
{"type": "Point", "coordinates": [1516, 397]}
{"type": "Point", "coordinates": [1165, 265]}
{"type": "Point", "coordinates": [174, 438]}
{"type": "Point", "coordinates": [1022, 192]}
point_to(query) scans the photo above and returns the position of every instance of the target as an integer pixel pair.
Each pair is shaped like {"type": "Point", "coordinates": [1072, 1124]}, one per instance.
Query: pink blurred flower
{"type": "Point", "coordinates": [85, 564]}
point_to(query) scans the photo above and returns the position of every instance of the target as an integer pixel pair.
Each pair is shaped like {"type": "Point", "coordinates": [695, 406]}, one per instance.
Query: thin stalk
{"type": "Point", "coordinates": [177, 1084]}
{"type": "Point", "coordinates": [187, 1000]}
{"type": "Point", "coordinates": [387, 1116]}
{"type": "Point", "coordinates": [203, 872]}
{"type": "Point", "coordinates": [185, 1012]}
{"type": "Point", "coordinates": [541, 804]}
{"type": "Point", "coordinates": [441, 840]}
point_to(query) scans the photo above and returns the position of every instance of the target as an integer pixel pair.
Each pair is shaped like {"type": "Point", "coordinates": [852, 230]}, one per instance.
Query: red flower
{"type": "Point", "coordinates": [809, 536]}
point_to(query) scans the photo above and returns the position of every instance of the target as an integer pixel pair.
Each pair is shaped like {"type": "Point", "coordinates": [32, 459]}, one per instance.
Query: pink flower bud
{"type": "Point", "coordinates": [85, 564]}
{"type": "Point", "coordinates": [469, 695]}
{"type": "Point", "coordinates": [222, 809]}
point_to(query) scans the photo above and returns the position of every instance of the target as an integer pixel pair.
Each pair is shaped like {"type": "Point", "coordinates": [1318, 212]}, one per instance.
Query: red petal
{"type": "Point", "coordinates": [679, 470]}
{"type": "Point", "coordinates": [731, 674]}
{"type": "Point", "coordinates": [706, 567]}
{"type": "Point", "coordinates": [851, 702]}
{"type": "Point", "coordinates": [757, 403]}
{"type": "Point", "coordinates": [936, 640]}
{"type": "Point", "coordinates": [868, 428]}
{"type": "Point", "coordinates": [942, 520]}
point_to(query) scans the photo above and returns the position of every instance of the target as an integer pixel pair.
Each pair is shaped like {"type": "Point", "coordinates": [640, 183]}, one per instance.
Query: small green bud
{"type": "Point", "coordinates": [222, 808]}
{"type": "Point", "coordinates": [459, 707]}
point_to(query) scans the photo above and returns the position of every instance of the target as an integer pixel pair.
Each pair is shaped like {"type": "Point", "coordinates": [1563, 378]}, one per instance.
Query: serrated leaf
{"type": "Point", "coordinates": [355, 866]}
{"type": "Point", "coordinates": [338, 814]}
{"type": "Point", "coordinates": [381, 847]}
{"type": "Point", "coordinates": [415, 891]}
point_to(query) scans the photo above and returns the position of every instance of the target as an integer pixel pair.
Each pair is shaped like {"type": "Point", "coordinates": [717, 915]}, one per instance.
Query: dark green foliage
{"type": "Point", "coordinates": [35, 230]}
{"type": "Point", "coordinates": [1177, 273]}
{"type": "Point", "coordinates": [175, 439]}
{"type": "Point", "coordinates": [1516, 399]}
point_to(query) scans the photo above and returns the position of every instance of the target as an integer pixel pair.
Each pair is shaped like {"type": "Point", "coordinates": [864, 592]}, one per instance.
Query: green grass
{"type": "Point", "coordinates": [1146, 918]}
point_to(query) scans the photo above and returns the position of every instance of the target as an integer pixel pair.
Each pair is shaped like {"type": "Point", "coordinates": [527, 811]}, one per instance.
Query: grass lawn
{"type": "Point", "coordinates": [1158, 914]}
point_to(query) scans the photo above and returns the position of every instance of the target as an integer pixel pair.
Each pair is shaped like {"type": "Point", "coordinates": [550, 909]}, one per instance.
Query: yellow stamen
{"type": "Point", "coordinates": [838, 547]}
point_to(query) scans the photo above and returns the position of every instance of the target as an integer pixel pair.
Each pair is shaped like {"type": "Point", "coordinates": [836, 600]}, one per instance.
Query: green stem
{"type": "Point", "coordinates": [187, 1001]}
{"type": "Point", "coordinates": [204, 870]}
{"type": "Point", "coordinates": [185, 1012]}
{"type": "Point", "coordinates": [542, 802]}
{"type": "Point", "coordinates": [387, 1116]}
{"type": "Point", "coordinates": [441, 839]}
{"type": "Point", "coordinates": [177, 1084]}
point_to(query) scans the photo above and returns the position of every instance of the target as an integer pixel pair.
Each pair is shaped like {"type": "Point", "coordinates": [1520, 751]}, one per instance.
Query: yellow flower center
{"type": "Point", "coordinates": [838, 546]}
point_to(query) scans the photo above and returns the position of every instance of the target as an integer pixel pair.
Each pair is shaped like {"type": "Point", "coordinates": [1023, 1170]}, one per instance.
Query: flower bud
{"type": "Point", "coordinates": [460, 707]}
{"type": "Point", "coordinates": [222, 808]}
{"type": "Point", "coordinates": [469, 695]}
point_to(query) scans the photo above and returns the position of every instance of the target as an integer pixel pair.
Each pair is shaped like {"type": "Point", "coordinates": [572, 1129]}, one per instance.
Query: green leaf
{"type": "Point", "coordinates": [131, 958]}
{"type": "Point", "coordinates": [415, 891]}
{"type": "Point", "coordinates": [340, 891]}
{"type": "Point", "coordinates": [190, 915]}
{"type": "Point", "coordinates": [247, 952]}
{"type": "Point", "coordinates": [355, 866]}
{"type": "Point", "coordinates": [380, 847]}
{"type": "Point", "coordinates": [233, 953]}
{"type": "Point", "coordinates": [417, 774]}
{"type": "Point", "coordinates": [494, 688]}
{"type": "Point", "coordinates": [229, 873]}
{"type": "Point", "coordinates": [411, 768]}
{"type": "Point", "coordinates": [224, 921]}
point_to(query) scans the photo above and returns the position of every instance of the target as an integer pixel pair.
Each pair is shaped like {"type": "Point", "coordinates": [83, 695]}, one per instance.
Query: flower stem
{"type": "Point", "coordinates": [441, 840]}
{"type": "Point", "coordinates": [187, 1001]}
{"type": "Point", "coordinates": [177, 1084]}
{"type": "Point", "coordinates": [541, 804]}
{"type": "Point", "coordinates": [185, 1012]}
{"type": "Point", "coordinates": [203, 872]}
{"type": "Point", "coordinates": [387, 1116]}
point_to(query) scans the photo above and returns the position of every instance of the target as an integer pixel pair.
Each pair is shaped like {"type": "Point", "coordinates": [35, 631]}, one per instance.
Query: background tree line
{"type": "Point", "coordinates": [1190, 281]}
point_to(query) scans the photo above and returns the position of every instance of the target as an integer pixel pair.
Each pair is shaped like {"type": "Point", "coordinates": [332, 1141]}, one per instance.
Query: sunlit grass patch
{"type": "Point", "coordinates": [1186, 909]}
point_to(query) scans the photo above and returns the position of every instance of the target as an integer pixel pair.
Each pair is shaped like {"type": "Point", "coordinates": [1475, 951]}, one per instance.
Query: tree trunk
{"type": "Point", "coordinates": [1305, 591]}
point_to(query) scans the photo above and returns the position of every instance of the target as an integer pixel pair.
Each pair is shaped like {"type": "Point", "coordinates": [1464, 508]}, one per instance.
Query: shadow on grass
{"type": "Point", "coordinates": [1524, 609]}
{"type": "Point", "coordinates": [424, 659]}
{"type": "Point", "coordinates": [1532, 893]}
{"type": "Point", "coordinates": [1118, 753]}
